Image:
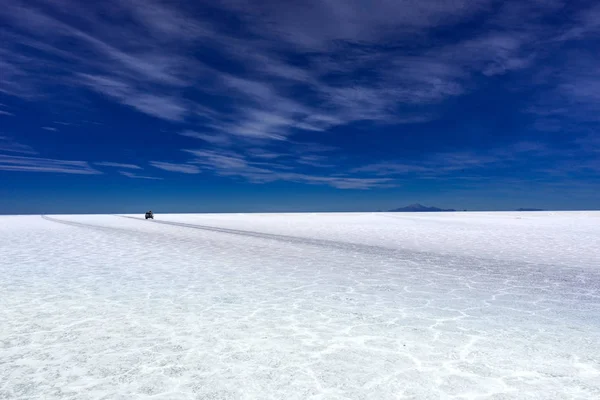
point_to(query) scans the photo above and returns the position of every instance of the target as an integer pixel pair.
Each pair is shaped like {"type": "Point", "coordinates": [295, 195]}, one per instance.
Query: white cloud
{"type": "Point", "coordinates": [115, 60]}
{"type": "Point", "coordinates": [10, 146]}
{"type": "Point", "coordinates": [147, 66]}
{"type": "Point", "coordinates": [172, 167]}
{"type": "Point", "coordinates": [390, 168]}
{"type": "Point", "coordinates": [167, 23]}
{"type": "Point", "coordinates": [263, 154]}
{"type": "Point", "coordinates": [232, 164]}
{"type": "Point", "coordinates": [117, 165]}
{"type": "Point", "coordinates": [583, 88]}
{"type": "Point", "coordinates": [35, 164]}
{"type": "Point", "coordinates": [338, 182]}
{"type": "Point", "coordinates": [215, 139]}
{"type": "Point", "coordinates": [315, 161]}
{"type": "Point", "coordinates": [302, 66]}
{"type": "Point", "coordinates": [135, 176]}
{"type": "Point", "coordinates": [49, 128]}
{"type": "Point", "coordinates": [466, 162]}
{"type": "Point", "coordinates": [318, 25]}
{"type": "Point", "coordinates": [223, 160]}
{"type": "Point", "coordinates": [2, 112]}
{"type": "Point", "coordinates": [169, 108]}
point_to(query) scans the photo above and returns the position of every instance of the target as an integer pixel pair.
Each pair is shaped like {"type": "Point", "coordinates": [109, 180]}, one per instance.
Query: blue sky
{"type": "Point", "coordinates": [225, 106]}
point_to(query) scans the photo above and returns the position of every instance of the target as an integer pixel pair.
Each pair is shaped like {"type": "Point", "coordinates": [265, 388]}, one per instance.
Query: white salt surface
{"type": "Point", "coordinates": [301, 306]}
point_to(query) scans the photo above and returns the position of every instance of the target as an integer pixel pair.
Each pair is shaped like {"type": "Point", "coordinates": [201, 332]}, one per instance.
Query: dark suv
{"type": "Point", "coordinates": [149, 215]}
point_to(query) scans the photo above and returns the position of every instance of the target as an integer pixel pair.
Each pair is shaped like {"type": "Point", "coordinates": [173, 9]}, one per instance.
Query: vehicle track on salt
{"type": "Point", "coordinates": [323, 243]}
{"type": "Point", "coordinates": [452, 263]}
{"type": "Point", "coordinates": [483, 264]}
{"type": "Point", "coordinates": [399, 255]}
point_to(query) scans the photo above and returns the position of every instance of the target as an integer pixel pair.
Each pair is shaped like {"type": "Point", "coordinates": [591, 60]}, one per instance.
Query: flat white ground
{"type": "Point", "coordinates": [301, 306]}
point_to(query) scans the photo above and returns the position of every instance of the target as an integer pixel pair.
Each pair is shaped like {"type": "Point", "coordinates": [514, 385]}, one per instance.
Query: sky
{"type": "Point", "coordinates": [284, 106]}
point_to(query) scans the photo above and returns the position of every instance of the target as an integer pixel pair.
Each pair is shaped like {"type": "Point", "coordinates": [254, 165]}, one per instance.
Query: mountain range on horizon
{"type": "Point", "coordinates": [420, 208]}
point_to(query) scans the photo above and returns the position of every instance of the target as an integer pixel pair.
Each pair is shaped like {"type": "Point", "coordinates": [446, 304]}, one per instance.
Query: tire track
{"type": "Point", "coordinates": [158, 236]}
{"type": "Point", "coordinates": [291, 240]}
{"type": "Point", "coordinates": [88, 226]}
{"type": "Point", "coordinates": [451, 262]}
{"type": "Point", "coordinates": [322, 243]}
{"type": "Point", "coordinates": [484, 265]}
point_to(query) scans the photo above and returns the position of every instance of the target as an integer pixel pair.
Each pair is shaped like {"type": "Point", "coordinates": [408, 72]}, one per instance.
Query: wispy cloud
{"type": "Point", "coordinates": [8, 145]}
{"type": "Point", "coordinates": [315, 25]}
{"type": "Point", "coordinates": [223, 160]}
{"type": "Point", "coordinates": [9, 114]}
{"type": "Point", "coordinates": [338, 182]}
{"type": "Point", "coordinates": [165, 107]}
{"type": "Point", "coordinates": [215, 139]}
{"type": "Point", "coordinates": [232, 164]}
{"type": "Point", "coordinates": [260, 165]}
{"type": "Point", "coordinates": [117, 165]}
{"type": "Point", "coordinates": [126, 64]}
{"type": "Point", "coordinates": [315, 161]}
{"type": "Point", "coordinates": [468, 163]}
{"type": "Point", "coordinates": [148, 65]}
{"type": "Point", "coordinates": [300, 68]}
{"type": "Point", "coordinates": [569, 99]}
{"type": "Point", "coordinates": [172, 167]}
{"type": "Point", "coordinates": [586, 23]}
{"type": "Point", "coordinates": [34, 164]}
{"type": "Point", "coordinates": [135, 176]}
{"type": "Point", "coordinates": [49, 128]}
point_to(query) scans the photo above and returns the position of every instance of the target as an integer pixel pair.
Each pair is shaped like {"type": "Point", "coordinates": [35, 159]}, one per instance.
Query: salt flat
{"type": "Point", "coordinates": [301, 306]}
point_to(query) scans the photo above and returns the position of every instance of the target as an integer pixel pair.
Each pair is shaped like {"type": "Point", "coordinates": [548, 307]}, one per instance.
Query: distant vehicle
{"type": "Point", "coordinates": [149, 215]}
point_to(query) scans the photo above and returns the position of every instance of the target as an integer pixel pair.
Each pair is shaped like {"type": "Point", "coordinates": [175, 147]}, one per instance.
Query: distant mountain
{"type": "Point", "coordinates": [419, 208]}
{"type": "Point", "coordinates": [529, 209]}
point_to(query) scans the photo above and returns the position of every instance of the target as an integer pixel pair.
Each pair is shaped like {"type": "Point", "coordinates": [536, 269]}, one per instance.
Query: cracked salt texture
{"type": "Point", "coordinates": [298, 306]}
